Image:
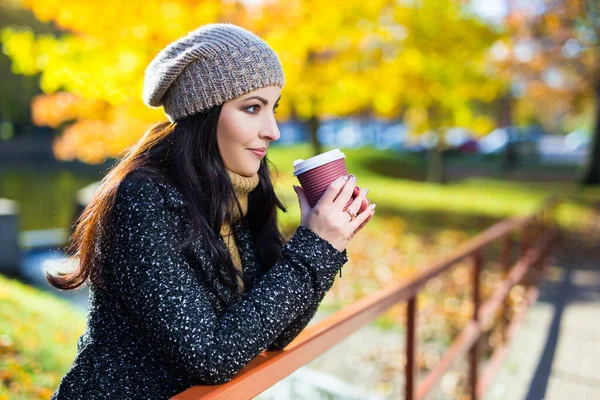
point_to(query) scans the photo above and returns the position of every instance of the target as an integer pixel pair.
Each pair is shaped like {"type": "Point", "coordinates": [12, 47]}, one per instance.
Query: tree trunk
{"type": "Point", "coordinates": [435, 164]}
{"type": "Point", "coordinates": [509, 155]}
{"type": "Point", "coordinates": [592, 173]}
{"type": "Point", "coordinates": [313, 124]}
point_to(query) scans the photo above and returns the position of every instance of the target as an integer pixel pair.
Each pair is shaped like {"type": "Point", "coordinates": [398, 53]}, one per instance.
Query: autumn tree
{"type": "Point", "coordinates": [92, 75]}
{"type": "Point", "coordinates": [441, 73]}
{"type": "Point", "coordinates": [17, 90]}
{"type": "Point", "coordinates": [424, 61]}
{"type": "Point", "coordinates": [592, 19]}
{"type": "Point", "coordinates": [551, 55]}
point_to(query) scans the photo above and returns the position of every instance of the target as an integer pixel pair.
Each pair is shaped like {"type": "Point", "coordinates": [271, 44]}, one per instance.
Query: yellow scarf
{"type": "Point", "coordinates": [242, 185]}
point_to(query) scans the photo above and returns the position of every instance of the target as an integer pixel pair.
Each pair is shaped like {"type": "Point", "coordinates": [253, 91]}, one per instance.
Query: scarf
{"type": "Point", "coordinates": [242, 185]}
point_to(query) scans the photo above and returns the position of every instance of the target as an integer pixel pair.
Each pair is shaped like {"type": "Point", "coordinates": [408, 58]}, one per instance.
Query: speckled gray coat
{"type": "Point", "coordinates": [161, 327]}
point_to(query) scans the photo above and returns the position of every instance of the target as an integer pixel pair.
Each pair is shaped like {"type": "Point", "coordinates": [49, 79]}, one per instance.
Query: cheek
{"type": "Point", "coordinates": [239, 130]}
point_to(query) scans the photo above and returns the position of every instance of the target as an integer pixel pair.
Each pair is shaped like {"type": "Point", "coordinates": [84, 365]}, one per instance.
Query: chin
{"type": "Point", "coordinates": [249, 173]}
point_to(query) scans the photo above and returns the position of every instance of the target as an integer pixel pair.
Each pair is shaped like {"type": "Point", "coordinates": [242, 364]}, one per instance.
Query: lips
{"type": "Point", "coordinates": [259, 152]}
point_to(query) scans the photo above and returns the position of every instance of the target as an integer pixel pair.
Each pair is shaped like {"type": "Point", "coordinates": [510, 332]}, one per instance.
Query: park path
{"type": "Point", "coordinates": [556, 353]}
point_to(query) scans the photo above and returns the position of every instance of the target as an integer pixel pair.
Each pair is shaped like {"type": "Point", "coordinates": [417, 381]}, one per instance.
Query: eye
{"type": "Point", "coordinates": [257, 107]}
{"type": "Point", "coordinates": [253, 106]}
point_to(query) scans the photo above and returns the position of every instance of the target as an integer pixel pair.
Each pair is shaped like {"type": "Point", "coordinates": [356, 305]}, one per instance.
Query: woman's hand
{"type": "Point", "coordinates": [328, 218]}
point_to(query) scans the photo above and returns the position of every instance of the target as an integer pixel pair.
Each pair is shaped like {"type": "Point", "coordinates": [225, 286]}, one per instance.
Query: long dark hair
{"type": "Point", "coordinates": [186, 154]}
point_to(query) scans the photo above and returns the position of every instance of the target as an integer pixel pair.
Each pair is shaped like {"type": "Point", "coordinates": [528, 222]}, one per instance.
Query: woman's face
{"type": "Point", "coordinates": [247, 122]}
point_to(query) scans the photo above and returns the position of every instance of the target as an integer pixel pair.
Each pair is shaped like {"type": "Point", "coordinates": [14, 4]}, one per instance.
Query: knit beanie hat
{"type": "Point", "coordinates": [209, 66]}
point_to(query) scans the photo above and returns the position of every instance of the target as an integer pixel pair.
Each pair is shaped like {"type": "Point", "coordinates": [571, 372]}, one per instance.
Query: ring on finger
{"type": "Point", "coordinates": [352, 215]}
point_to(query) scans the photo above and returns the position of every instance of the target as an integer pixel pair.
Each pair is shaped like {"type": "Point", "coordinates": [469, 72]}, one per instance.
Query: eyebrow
{"type": "Point", "coordinates": [263, 100]}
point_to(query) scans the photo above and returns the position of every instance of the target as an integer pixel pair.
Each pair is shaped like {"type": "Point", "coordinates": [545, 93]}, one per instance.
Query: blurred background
{"type": "Point", "coordinates": [456, 114]}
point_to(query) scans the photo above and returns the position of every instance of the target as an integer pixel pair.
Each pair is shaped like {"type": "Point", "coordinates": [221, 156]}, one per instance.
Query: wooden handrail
{"type": "Point", "coordinates": [269, 368]}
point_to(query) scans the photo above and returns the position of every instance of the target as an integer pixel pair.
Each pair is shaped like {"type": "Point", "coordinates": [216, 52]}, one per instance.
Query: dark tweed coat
{"type": "Point", "coordinates": [165, 323]}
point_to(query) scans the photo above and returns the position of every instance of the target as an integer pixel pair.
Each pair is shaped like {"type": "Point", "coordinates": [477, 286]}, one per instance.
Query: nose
{"type": "Point", "coordinates": [270, 129]}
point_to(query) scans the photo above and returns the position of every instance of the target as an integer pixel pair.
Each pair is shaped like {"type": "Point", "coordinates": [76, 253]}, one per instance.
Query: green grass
{"type": "Point", "coordinates": [38, 340]}
{"type": "Point", "coordinates": [481, 197]}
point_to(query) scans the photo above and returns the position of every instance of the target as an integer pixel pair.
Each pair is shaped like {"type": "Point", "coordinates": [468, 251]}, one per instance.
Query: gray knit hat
{"type": "Point", "coordinates": [209, 66]}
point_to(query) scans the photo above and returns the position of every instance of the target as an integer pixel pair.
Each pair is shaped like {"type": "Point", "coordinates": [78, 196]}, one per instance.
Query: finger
{"type": "Point", "coordinates": [302, 200]}
{"type": "Point", "coordinates": [364, 223]}
{"type": "Point", "coordinates": [362, 217]}
{"type": "Point", "coordinates": [332, 191]}
{"type": "Point", "coordinates": [357, 202]}
{"type": "Point", "coordinates": [364, 205]}
{"type": "Point", "coordinates": [345, 194]}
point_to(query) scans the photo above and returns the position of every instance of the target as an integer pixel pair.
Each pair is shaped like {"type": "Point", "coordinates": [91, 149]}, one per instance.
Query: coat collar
{"type": "Point", "coordinates": [242, 186]}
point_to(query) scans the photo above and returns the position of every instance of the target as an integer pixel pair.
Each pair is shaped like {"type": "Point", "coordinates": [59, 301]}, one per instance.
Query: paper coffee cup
{"type": "Point", "coordinates": [316, 174]}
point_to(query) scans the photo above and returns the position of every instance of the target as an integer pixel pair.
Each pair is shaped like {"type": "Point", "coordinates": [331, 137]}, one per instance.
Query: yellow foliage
{"type": "Point", "coordinates": [339, 58]}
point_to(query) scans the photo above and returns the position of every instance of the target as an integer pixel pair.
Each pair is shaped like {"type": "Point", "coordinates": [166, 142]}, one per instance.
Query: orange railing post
{"type": "Point", "coordinates": [506, 263]}
{"type": "Point", "coordinates": [474, 353]}
{"type": "Point", "coordinates": [411, 325]}
{"type": "Point", "coordinates": [524, 239]}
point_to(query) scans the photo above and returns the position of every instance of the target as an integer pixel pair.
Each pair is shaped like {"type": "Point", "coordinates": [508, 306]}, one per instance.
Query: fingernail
{"type": "Point", "coordinates": [365, 191]}
{"type": "Point", "coordinates": [353, 177]}
{"type": "Point", "coordinates": [345, 177]}
{"type": "Point", "coordinates": [373, 206]}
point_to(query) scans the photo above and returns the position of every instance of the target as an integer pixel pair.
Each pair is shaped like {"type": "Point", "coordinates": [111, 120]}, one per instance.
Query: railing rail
{"type": "Point", "coordinates": [536, 234]}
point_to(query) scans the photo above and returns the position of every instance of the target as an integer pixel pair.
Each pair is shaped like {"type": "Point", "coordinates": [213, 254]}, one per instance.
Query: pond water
{"type": "Point", "coordinates": [46, 196]}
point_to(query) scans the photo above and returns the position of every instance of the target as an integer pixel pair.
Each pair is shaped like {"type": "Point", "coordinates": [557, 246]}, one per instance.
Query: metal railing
{"type": "Point", "coordinates": [535, 236]}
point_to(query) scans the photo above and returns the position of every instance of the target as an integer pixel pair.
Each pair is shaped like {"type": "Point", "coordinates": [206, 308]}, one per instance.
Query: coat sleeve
{"type": "Point", "coordinates": [157, 288]}
{"type": "Point", "coordinates": [298, 324]}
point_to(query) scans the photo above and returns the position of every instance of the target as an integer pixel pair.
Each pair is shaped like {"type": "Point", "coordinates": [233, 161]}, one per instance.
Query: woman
{"type": "Point", "coordinates": [189, 275]}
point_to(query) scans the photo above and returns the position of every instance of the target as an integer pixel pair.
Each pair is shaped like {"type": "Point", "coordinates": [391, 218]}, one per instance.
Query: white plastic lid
{"type": "Point", "coordinates": [301, 166]}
